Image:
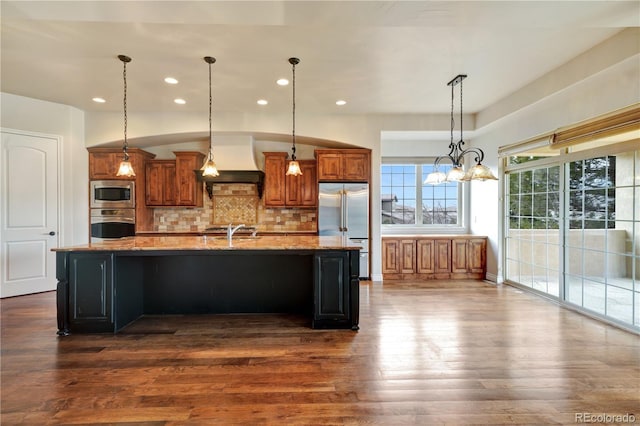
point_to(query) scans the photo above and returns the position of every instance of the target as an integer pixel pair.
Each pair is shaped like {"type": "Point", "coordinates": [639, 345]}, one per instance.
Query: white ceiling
{"type": "Point", "coordinates": [380, 56]}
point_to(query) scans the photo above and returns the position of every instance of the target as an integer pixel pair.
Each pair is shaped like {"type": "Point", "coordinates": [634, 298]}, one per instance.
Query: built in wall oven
{"type": "Point", "coordinates": [116, 194]}
{"type": "Point", "coordinates": [112, 223]}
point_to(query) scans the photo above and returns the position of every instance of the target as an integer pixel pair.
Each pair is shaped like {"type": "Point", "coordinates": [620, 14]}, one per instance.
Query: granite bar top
{"type": "Point", "coordinates": [203, 243]}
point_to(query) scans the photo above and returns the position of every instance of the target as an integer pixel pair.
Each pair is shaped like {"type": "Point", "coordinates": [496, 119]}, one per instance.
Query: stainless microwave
{"type": "Point", "coordinates": [119, 194]}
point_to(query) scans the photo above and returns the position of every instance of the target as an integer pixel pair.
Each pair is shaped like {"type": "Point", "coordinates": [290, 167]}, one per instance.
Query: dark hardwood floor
{"type": "Point", "coordinates": [438, 352]}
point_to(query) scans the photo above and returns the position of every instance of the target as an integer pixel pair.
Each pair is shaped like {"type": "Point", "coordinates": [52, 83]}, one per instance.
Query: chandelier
{"type": "Point", "coordinates": [456, 153]}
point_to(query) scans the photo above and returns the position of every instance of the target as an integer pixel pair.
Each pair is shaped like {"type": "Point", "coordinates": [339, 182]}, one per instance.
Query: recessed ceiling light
{"type": "Point", "coordinates": [282, 82]}
{"type": "Point", "coordinates": [341, 102]}
{"type": "Point", "coordinates": [262, 102]}
{"type": "Point", "coordinates": [170, 80]}
{"type": "Point", "coordinates": [99, 100]}
{"type": "Point", "coordinates": [180, 101]}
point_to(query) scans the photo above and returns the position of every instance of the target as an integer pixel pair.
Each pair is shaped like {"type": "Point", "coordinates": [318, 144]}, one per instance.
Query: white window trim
{"type": "Point", "coordinates": [463, 202]}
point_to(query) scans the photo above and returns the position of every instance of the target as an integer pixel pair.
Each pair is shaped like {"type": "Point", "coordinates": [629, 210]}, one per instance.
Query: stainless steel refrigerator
{"type": "Point", "coordinates": [343, 210]}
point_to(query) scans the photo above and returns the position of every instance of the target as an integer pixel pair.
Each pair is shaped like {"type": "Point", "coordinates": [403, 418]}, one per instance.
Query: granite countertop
{"type": "Point", "coordinates": [241, 231]}
{"type": "Point", "coordinates": [291, 242]}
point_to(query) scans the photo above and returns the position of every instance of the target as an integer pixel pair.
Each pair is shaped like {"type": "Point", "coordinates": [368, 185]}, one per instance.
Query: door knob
{"type": "Point", "coordinates": [52, 233]}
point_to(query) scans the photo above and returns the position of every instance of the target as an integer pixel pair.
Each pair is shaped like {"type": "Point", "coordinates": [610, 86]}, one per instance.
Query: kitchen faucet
{"type": "Point", "coordinates": [231, 231]}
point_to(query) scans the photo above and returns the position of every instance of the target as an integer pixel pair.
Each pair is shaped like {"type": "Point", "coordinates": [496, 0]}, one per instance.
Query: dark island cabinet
{"type": "Point", "coordinates": [87, 286]}
{"type": "Point", "coordinates": [335, 287]}
{"type": "Point", "coordinates": [104, 291]}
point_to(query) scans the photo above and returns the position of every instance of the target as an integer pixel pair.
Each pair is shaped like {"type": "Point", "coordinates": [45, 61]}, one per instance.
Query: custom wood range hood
{"type": "Point", "coordinates": [233, 176]}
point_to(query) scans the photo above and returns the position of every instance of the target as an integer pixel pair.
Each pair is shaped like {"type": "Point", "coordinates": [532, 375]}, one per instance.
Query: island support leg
{"type": "Point", "coordinates": [354, 284]}
{"type": "Point", "coordinates": [62, 294]}
{"type": "Point", "coordinates": [62, 301]}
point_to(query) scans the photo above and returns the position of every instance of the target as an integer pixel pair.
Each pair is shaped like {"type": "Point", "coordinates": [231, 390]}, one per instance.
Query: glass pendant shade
{"type": "Point", "coordinates": [125, 168]}
{"type": "Point", "coordinates": [209, 167]}
{"type": "Point", "coordinates": [456, 174]}
{"type": "Point", "coordinates": [435, 178]}
{"type": "Point", "coordinates": [294, 169]}
{"type": "Point", "coordinates": [479, 172]}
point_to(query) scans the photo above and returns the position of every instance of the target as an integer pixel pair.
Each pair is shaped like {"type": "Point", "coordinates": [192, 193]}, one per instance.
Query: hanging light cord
{"type": "Point", "coordinates": [461, 111]}
{"type": "Point", "coordinates": [126, 144]}
{"type": "Point", "coordinates": [452, 120]}
{"type": "Point", "coordinates": [293, 132]}
{"type": "Point", "coordinates": [210, 114]}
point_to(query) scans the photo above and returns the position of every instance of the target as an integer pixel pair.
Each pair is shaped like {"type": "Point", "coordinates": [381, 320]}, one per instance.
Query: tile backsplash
{"type": "Point", "coordinates": [234, 203]}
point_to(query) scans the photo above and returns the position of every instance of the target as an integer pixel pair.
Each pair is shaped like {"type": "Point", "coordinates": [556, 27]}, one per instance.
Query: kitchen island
{"type": "Point", "coordinates": [103, 287]}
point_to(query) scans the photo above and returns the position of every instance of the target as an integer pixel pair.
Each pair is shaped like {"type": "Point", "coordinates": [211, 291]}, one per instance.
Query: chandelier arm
{"type": "Point", "coordinates": [477, 151]}
{"type": "Point", "coordinates": [461, 127]}
{"type": "Point", "coordinates": [436, 163]}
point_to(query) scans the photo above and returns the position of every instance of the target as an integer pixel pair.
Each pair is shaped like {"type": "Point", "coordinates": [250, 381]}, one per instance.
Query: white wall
{"type": "Point", "coordinates": [20, 113]}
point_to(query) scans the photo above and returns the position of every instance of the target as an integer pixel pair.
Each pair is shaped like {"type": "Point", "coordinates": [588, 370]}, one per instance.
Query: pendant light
{"type": "Point", "coordinates": [294, 166]}
{"type": "Point", "coordinates": [209, 167]}
{"type": "Point", "coordinates": [456, 153]}
{"type": "Point", "coordinates": [125, 168]}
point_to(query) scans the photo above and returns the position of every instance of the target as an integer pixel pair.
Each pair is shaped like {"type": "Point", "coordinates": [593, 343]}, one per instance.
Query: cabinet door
{"type": "Point", "coordinates": [356, 166]}
{"type": "Point", "coordinates": [331, 286]}
{"type": "Point", "coordinates": [476, 255]}
{"type": "Point", "coordinates": [442, 256]}
{"type": "Point", "coordinates": [425, 257]}
{"type": "Point", "coordinates": [390, 255]}
{"type": "Point", "coordinates": [330, 166]}
{"type": "Point", "coordinates": [274, 193]}
{"type": "Point", "coordinates": [169, 195]}
{"type": "Point", "coordinates": [309, 185]}
{"type": "Point", "coordinates": [154, 184]}
{"type": "Point", "coordinates": [104, 165]}
{"type": "Point", "coordinates": [459, 262]}
{"type": "Point", "coordinates": [91, 292]}
{"type": "Point", "coordinates": [302, 191]}
{"type": "Point", "coordinates": [189, 190]}
{"type": "Point", "coordinates": [407, 256]}
{"type": "Point", "coordinates": [160, 183]}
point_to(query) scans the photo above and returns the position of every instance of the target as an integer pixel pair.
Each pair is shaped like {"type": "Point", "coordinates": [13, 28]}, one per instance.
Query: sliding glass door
{"type": "Point", "coordinates": [572, 230]}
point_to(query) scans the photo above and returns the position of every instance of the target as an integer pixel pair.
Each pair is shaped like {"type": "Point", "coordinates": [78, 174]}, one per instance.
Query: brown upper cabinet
{"type": "Point", "coordinates": [302, 191]}
{"type": "Point", "coordinates": [104, 162]}
{"type": "Point", "coordinates": [189, 190]}
{"type": "Point", "coordinates": [274, 179]}
{"type": "Point", "coordinates": [160, 184]}
{"type": "Point", "coordinates": [174, 182]}
{"type": "Point", "coordinates": [289, 191]}
{"type": "Point", "coordinates": [344, 165]}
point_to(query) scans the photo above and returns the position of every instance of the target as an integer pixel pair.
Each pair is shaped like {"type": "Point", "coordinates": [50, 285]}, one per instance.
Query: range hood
{"type": "Point", "coordinates": [233, 176]}
{"type": "Point", "coordinates": [235, 158]}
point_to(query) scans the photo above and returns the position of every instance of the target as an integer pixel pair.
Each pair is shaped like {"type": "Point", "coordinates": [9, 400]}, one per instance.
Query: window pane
{"type": "Point", "coordinates": [540, 180]}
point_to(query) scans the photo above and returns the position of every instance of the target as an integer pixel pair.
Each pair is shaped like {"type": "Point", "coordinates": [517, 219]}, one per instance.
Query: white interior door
{"type": "Point", "coordinates": [28, 212]}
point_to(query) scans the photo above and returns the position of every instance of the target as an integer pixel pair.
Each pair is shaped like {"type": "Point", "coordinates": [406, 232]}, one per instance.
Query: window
{"type": "Point", "coordinates": [407, 202]}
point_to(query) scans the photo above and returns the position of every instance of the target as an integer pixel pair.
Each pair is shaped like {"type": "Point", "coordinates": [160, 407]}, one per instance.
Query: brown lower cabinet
{"type": "Point", "coordinates": [441, 257]}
